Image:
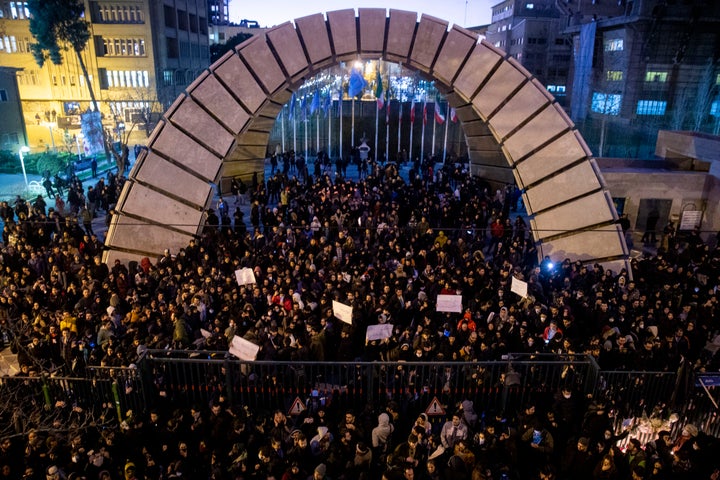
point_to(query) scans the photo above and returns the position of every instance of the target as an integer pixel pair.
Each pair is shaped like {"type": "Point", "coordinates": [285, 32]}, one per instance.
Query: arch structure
{"type": "Point", "coordinates": [220, 126]}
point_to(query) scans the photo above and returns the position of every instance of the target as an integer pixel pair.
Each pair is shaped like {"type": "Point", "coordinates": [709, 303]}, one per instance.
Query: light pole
{"type": "Point", "coordinates": [24, 149]}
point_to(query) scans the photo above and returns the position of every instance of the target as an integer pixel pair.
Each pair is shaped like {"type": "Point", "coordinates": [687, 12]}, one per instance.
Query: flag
{"type": "Point", "coordinates": [412, 112]}
{"type": "Point", "coordinates": [291, 113]}
{"type": "Point", "coordinates": [379, 94]}
{"type": "Point", "coordinates": [439, 117]}
{"type": "Point", "coordinates": [315, 104]}
{"type": "Point", "coordinates": [425, 113]}
{"type": "Point", "coordinates": [453, 115]}
{"type": "Point", "coordinates": [303, 108]}
{"type": "Point", "coordinates": [356, 84]}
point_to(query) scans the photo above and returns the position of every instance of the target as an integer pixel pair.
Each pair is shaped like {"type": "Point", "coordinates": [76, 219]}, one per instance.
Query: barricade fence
{"type": "Point", "coordinates": [640, 400]}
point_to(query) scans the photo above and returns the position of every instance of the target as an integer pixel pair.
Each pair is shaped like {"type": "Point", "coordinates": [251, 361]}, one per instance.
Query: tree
{"type": "Point", "coordinates": [219, 49]}
{"type": "Point", "coordinates": [58, 26]}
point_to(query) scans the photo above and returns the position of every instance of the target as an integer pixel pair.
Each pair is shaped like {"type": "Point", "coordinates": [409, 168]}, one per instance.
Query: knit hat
{"type": "Point", "coordinates": [584, 441]}
{"type": "Point", "coordinates": [321, 469]}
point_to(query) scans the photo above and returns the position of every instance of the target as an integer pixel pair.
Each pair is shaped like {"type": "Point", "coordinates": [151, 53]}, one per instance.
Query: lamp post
{"type": "Point", "coordinates": [24, 149]}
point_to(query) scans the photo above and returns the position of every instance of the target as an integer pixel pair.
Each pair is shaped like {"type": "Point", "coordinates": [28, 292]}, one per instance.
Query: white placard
{"type": "Point", "coordinates": [379, 332]}
{"type": "Point", "coordinates": [243, 349]}
{"type": "Point", "coordinates": [690, 219]}
{"type": "Point", "coordinates": [342, 312]}
{"type": "Point", "coordinates": [449, 303]}
{"type": "Point", "coordinates": [519, 287]}
{"type": "Point", "coordinates": [205, 333]}
{"type": "Point", "coordinates": [245, 276]}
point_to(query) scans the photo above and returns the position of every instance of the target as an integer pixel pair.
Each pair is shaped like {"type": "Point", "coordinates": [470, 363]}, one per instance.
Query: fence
{"type": "Point", "coordinates": [183, 379]}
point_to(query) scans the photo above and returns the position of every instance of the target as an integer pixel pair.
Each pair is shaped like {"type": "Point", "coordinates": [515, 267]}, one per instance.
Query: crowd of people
{"type": "Point", "coordinates": [387, 247]}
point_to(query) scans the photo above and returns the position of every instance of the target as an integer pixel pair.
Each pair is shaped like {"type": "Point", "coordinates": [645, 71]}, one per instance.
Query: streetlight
{"type": "Point", "coordinates": [23, 149]}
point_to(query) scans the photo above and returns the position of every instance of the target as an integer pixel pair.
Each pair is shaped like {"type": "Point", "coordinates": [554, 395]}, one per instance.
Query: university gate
{"type": "Point", "coordinates": [514, 129]}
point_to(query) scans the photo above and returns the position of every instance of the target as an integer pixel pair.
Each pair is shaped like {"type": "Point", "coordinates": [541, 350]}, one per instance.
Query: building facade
{"type": "Point", "coordinates": [641, 66]}
{"type": "Point", "coordinates": [141, 55]}
{"type": "Point", "coordinates": [531, 32]}
{"type": "Point", "coordinates": [12, 125]}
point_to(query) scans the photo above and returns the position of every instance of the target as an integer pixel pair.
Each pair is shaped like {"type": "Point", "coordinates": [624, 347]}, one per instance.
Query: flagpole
{"type": "Point", "coordinates": [387, 129]}
{"type": "Point", "coordinates": [340, 101]}
{"type": "Point", "coordinates": [412, 124]}
{"type": "Point", "coordinates": [329, 120]}
{"type": "Point", "coordinates": [399, 149]}
{"type": "Point", "coordinates": [447, 121]}
{"type": "Point", "coordinates": [294, 134]}
{"type": "Point", "coordinates": [377, 116]}
{"type": "Point", "coordinates": [352, 124]}
{"type": "Point", "coordinates": [317, 131]}
{"type": "Point", "coordinates": [305, 121]}
{"type": "Point", "coordinates": [282, 128]}
{"type": "Point", "coordinates": [432, 149]}
{"type": "Point", "coordinates": [422, 134]}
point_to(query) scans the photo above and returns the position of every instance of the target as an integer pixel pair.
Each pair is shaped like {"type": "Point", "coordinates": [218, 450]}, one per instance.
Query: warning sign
{"type": "Point", "coordinates": [435, 408]}
{"type": "Point", "coordinates": [297, 407]}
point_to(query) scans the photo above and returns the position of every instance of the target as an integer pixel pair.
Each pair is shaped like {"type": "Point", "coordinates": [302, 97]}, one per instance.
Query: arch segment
{"type": "Point", "coordinates": [220, 126]}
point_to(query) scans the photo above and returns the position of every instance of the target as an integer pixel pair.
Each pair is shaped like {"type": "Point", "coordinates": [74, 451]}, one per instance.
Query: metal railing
{"type": "Point", "coordinates": [195, 378]}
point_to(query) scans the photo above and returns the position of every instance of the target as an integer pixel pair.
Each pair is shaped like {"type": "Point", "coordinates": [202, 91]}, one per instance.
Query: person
{"type": "Point", "coordinates": [453, 431]}
{"type": "Point", "coordinates": [382, 435]}
{"type": "Point", "coordinates": [649, 237]}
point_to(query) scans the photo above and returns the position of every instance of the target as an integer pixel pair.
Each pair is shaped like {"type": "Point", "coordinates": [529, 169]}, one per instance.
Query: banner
{"type": "Point", "coordinates": [245, 276]}
{"type": "Point", "coordinates": [342, 312]}
{"type": "Point", "coordinates": [519, 287]}
{"type": "Point", "coordinates": [379, 332]}
{"type": "Point", "coordinates": [243, 349]}
{"type": "Point", "coordinates": [449, 303]}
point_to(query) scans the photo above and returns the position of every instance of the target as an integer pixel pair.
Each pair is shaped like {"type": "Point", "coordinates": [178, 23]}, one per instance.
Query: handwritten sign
{"type": "Point", "coordinates": [243, 349]}
{"type": "Point", "coordinates": [449, 303]}
{"type": "Point", "coordinates": [378, 332]}
{"type": "Point", "coordinates": [342, 312]}
{"type": "Point", "coordinates": [245, 276]}
{"type": "Point", "coordinates": [519, 287]}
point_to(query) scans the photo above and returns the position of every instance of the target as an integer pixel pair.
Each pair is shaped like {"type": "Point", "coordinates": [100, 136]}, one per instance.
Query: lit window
{"type": "Point", "coordinates": [715, 108]}
{"type": "Point", "coordinates": [529, 6]}
{"type": "Point", "coordinates": [614, 75]}
{"type": "Point", "coordinates": [606, 103]}
{"type": "Point", "coordinates": [614, 45]}
{"type": "Point", "coordinates": [656, 76]}
{"type": "Point", "coordinates": [651, 107]}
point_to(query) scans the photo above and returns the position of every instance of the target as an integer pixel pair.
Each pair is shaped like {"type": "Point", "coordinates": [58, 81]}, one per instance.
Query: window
{"type": "Point", "coordinates": [3, 96]}
{"type": "Point", "coordinates": [614, 45]}
{"type": "Point", "coordinates": [556, 89]}
{"type": "Point", "coordinates": [529, 6]}
{"type": "Point", "coordinates": [172, 47]}
{"type": "Point", "coordinates": [656, 76]}
{"type": "Point", "coordinates": [167, 78]}
{"type": "Point", "coordinates": [717, 79]}
{"type": "Point", "coordinates": [606, 103]}
{"type": "Point", "coordinates": [19, 10]}
{"type": "Point", "coordinates": [715, 108]}
{"type": "Point", "coordinates": [651, 107]}
{"type": "Point", "coordinates": [170, 17]}
{"type": "Point", "coordinates": [614, 75]}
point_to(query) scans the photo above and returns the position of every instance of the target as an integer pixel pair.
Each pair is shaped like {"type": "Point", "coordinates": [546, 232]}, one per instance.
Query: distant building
{"type": "Point", "coordinates": [530, 32]}
{"type": "Point", "coordinates": [641, 66]}
{"type": "Point", "coordinates": [12, 125]}
{"type": "Point", "coordinates": [140, 57]}
{"type": "Point", "coordinates": [218, 12]}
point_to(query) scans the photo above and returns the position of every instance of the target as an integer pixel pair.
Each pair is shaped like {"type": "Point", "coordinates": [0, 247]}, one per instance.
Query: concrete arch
{"type": "Point", "coordinates": [514, 129]}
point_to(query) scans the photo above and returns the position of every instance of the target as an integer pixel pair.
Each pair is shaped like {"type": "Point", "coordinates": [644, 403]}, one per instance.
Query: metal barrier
{"type": "Point", "coordinates": [500, 385]}
{"type": "Point", "coordinates": [192, 378]}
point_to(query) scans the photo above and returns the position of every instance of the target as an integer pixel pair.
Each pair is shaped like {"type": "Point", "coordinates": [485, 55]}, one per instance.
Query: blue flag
{"type": "Point", "coordinates": [303, 108]}
{"type": "Point", "coordinates": [356, 84]}
{"type": "Point", "coordinates": [315, 102]}
{"type": "Point", "coordinates": [291, 113]}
